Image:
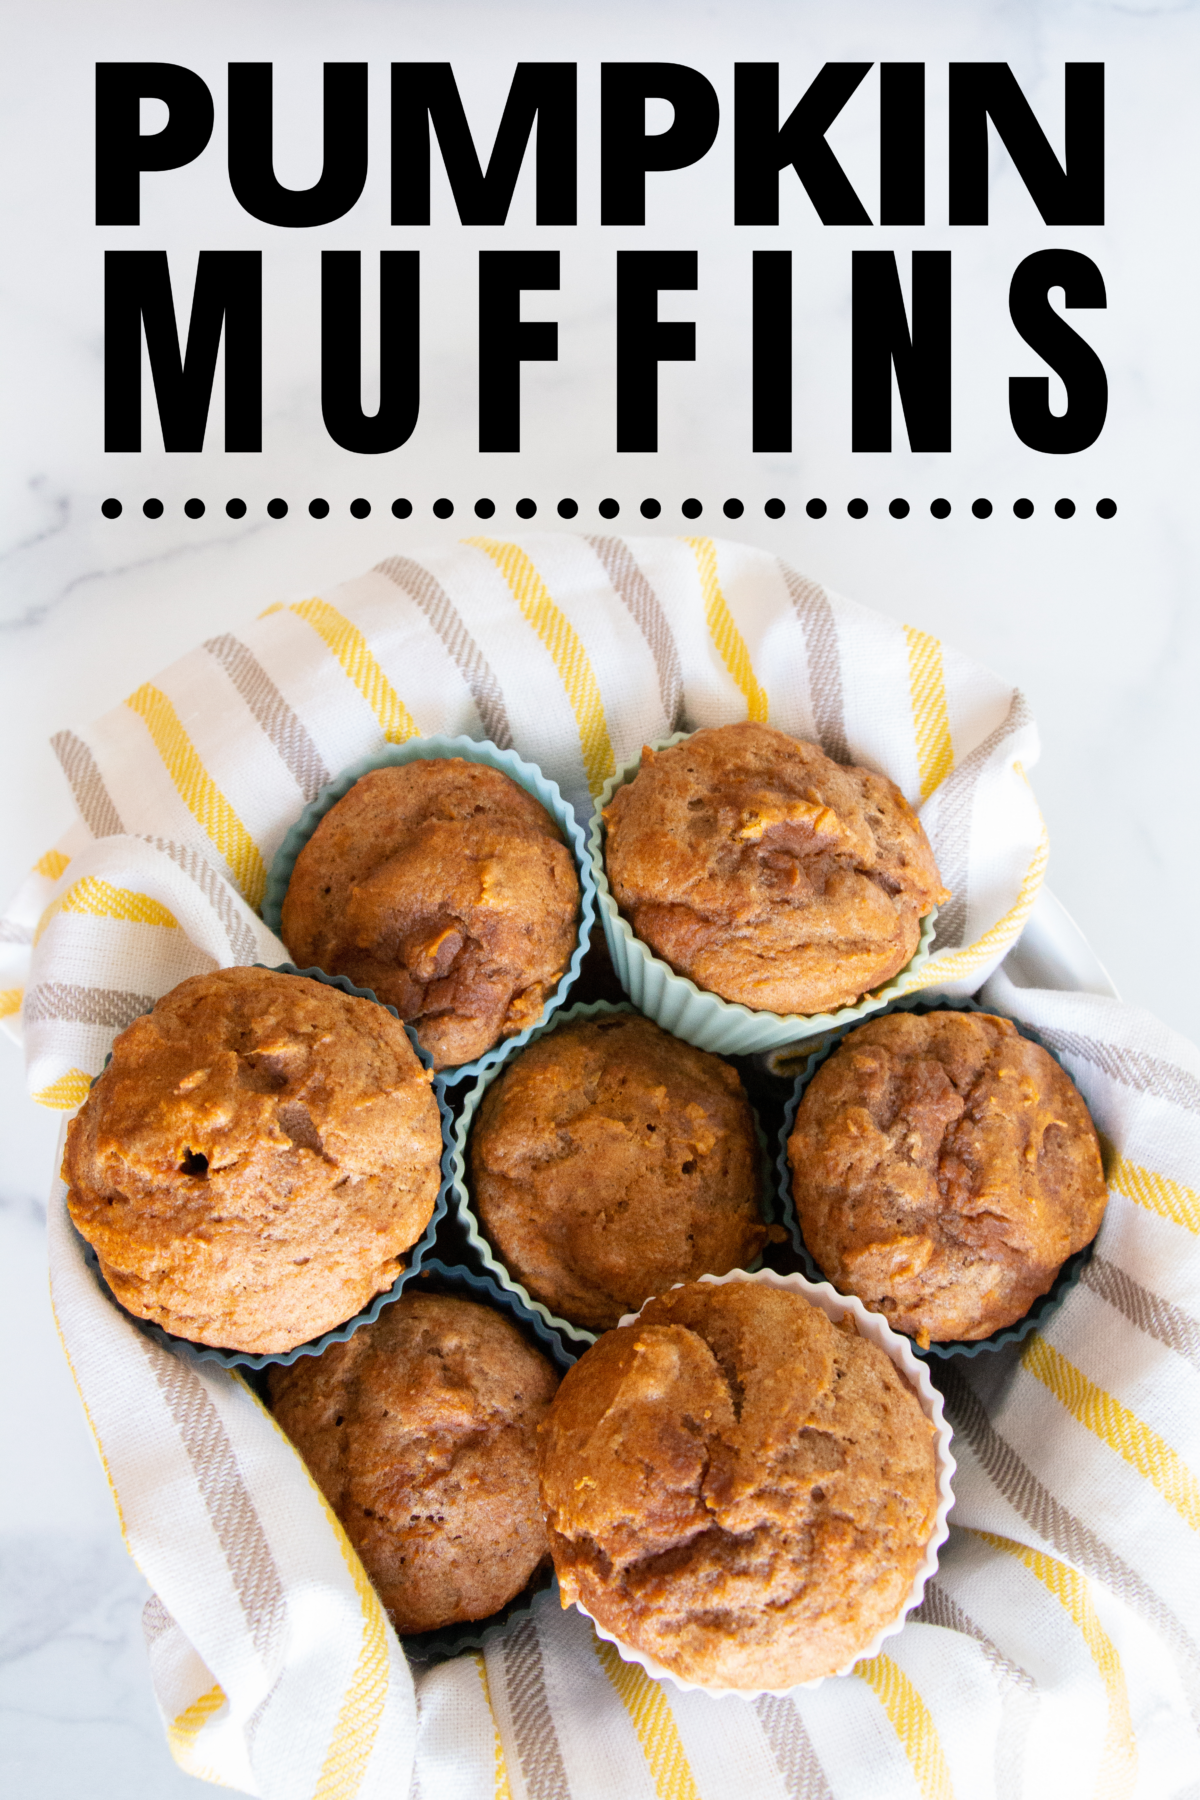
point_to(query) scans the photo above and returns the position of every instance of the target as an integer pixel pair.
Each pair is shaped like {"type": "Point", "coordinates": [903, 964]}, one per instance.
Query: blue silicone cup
{"type": "Point", "coordinates": [426, 1647]}
{"type": "Point", "coordinates": [1047, 1303]}
{"type": "Point", "coordinates": [431, 749]}
{"type": "Point", "coordinates": [421, 1250]}
{"type": "Point", "coordinates": [578, 1336]}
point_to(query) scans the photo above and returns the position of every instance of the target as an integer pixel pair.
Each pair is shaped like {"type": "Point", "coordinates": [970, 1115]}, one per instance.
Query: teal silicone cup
{"type": "Point", "coordinates": [432, 749]}
{"type": "Point", "coordinates": [423, 1248]}
{"type": "Point", "coordinates": [578, 1337]}
{"type": "Point", "coordinates": [677, 1004]}
{"type": "Point", "coordinates": [1047, 1303]}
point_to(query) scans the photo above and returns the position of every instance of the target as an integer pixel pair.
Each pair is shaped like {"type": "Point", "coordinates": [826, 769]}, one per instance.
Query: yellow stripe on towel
{"type": "Point", "coordinates": [1114, 1424]}
{"type": "Point", "coordinates": [913, 1724]}
{"type": "Point", "coordinates": [68, 1092]}
{"type": "Point", "coordinates": [566, 651]}
{"type": "Point", "coordinates": [101, 900]}
{"type": "Point", "coordinates": [958, 963]}
{"type": "Point", "coordinates": [51, 865]}
{"type": "Point", "coordinates": [10, 1001]}
{"type": "Point", "coordinates": [931, 720]}
{"type": "Point", "coordinates": [652, 1719]}
{"type": "Point", "coordinates": [199, 792]}
{"type": "Point", "coordinates": [1157, 1193]}
{"type": "Point", "coordinates": [730, 643]}
{"type": "Point", "coordinates": [185, 1728]}
{"type": "Point", "coordinates": [347, 643]}
{"type": "Point", "coordinates": [501, 1788]}
{"type": "Point", "coordinates": [1118, 1772]}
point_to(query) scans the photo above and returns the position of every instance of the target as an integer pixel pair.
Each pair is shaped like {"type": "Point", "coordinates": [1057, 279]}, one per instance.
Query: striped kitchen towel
{"type": "Point", "coordinates": [1057, 1652]}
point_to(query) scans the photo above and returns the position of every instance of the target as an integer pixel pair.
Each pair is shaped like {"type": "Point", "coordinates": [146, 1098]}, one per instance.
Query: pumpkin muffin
{"type": "Point", "coordinates": [255, 1160]}
{"type": "Point", "coordinates": [944, 1168]}
{"type": "Point", "coordinates": [611, 1160]}
{"type": "Point", "coordinates": [768, 874]}
{"type": "Point", "coordinates": [420, 1432]}
{"type": "Point", "coordinates": [736, 1487]}
{"type": "Point", "coordinates": [448, 890]}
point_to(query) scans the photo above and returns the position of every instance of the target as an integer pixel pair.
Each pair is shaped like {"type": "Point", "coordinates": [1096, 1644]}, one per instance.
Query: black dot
{"type": "Point", "coordinates": [277, 509]}
{"type": "Point", "coordinates": [940, 509]}
{"type": "Point", "coordinates": [153, 509]}
{"type": "Point", "coordinates": [650, 509]}
{"type": "Point", "coordinates": [899, 509]}
{"type": "Point", "coordinates": [319, 509]}
{"type": "Point", "coordinates": [982, 509]}
{"type": "Point", "coordinates": [360, 509]}
{"type": "Point", "coordinates": [1065, 509]}
{"type": "Point", "coordinates": [1023, 509]}
{"type": "Point", "coordinates": [1107, 509]}
{"type": "Point", "coordinates": [733, 509]}
{"type": "Point", "coordinates": [111, 509]}
{"type": "Point", "coordinates": [484, 509]}
{"type": "Point", "coordinates": [526, 509]}
{"type": "Point", "coordinates": [691, 509]}
{"type": "Point", "coordinates": [857, 509]}
{"type": "Point", "coordinates": [567, 509]}
{"type": "Point", "coordinates": [774, 509]}
{"type": "Point", "coordinates": [816, 509]}
{"type": "Point", "coordinates": [194, 509]}
{"type": "Point", "coordinates": [236, 509]}
{"type": "Point", "coordinates": [443, 509]}
{"type": "Point", "coordinates": [608, 509]}
{"type": "Point", "coordinates": [402, 509]}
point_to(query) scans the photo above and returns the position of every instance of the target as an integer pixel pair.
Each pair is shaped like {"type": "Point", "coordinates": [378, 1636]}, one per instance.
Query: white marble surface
{"type": "Point", "coordinates": [1096, 621]}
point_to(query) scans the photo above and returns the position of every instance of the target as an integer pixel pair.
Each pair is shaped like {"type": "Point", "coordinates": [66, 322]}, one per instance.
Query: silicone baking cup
{"type": "Point", "coordinates": [676, 1003]}
{"type": "Point", "coordinates": [875, 1328]}
{"type": "Point", "coordinates": [1049, 1302]}
{"type": "Point", "coordinates": [425, 1647]}
{"type": "Point", "coordinates": [431, 749]}
{"type": "Point", "coordinates": [420, 1251]}
{"type": "Point", "coordinates": [577, 1335]}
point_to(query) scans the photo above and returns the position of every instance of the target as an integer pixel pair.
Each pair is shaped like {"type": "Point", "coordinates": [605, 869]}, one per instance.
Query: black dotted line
{"type": "Point", "coordinates": [609, 509]}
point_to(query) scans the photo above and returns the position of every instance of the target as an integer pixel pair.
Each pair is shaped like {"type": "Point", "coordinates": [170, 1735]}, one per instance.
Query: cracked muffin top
{"type": "Point", "coordinates": [768, 874]}
{"type": "Point", "coordinates": [944, 1168]}
{"type": "Point", "coordinates": [611, 1160]}
{"type": "Point", "coordinates": [420, 1432]}
{"type": "Point", "coordinates": [737, 1487]}
{"type": "Point", "coordinates": [255, 1159]}
{"type": "Point", "coordinates": [448, 890]}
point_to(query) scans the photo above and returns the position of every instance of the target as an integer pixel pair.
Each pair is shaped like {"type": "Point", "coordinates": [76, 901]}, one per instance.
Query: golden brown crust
{"type": "Point", "coordinates": [255, 1159]}
{"type": "Point", "coordinates": [610, 1161]}
{"type": "Point", "coordinates": [766, 873]}
{"type": "Point", "coordinates": [445, 888]}
{"type": "Point", "coordinates": [944, 1168]}
{"type": "Point", "coordinates": [420, 1432]}
{"type": "Point", "coordinates": [736, 1487]}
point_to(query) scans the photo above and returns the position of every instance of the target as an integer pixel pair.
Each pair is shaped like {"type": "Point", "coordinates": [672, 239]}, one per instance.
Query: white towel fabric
{"type": "Point", "coordinates": [1057, 1652]}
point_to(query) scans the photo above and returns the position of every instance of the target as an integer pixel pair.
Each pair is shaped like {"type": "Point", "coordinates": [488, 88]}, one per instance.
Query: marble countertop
{"type": "Point", "coordinates": [1096, 620]}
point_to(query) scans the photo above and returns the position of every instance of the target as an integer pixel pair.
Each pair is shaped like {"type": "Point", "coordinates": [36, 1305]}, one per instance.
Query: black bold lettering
{"type": "Point", "coordinates": [644, 340]}
{"type": "Point", "coordinates": [1073, 195]}
{"type": "Point", "coordinates": [426, 93]}
{"type": "Point", "coordinates": [771, 380]}
{"type": "Point", "coordinates": [627, 151]}
{"type": "Point", "coordinates": [399, 350]}
{"type": "Point", "coordinates": [1068, 355]}
{"type": "Point", "coordinates": [506, 340]}
{"type": "Point", "coordinates": [882, 341]}
{"type": "Point", "coordinates": [902, 143]}
{"type": "Point", "coordinates": [251, 149]}
{"type": "Point", "coordinates": [137, 294]}
{"type": "Point", "coordinates": [762, 146]}
{"type": "Point", "coordinates": [121, 150]}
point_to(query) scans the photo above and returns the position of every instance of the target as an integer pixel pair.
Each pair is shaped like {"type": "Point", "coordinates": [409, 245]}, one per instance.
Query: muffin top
{"type": "Point", "coordinates": [610, 1161]}
{"type": "Point", "coordinates": [944, 1168]}
{"type": "Point", "coordinates": [768, 874]}
{"type": "Point", "coordinates": [420, 1432]}
{"type": "Point", "coordinates": [737, 1487]}
{"type": "Point", "coordinates": [255, 1158]}
{"type": "Point", "coordinates": [448, 890]}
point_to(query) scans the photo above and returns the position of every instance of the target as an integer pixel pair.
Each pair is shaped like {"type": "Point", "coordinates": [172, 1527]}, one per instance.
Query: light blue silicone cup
{"type": "Point", "coordinates": [677, 1004]}
{"type": "Point", "coordinates": [577, 1337]}
{"type": "Point", "coordinates": [432, 749]}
